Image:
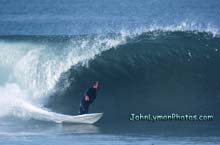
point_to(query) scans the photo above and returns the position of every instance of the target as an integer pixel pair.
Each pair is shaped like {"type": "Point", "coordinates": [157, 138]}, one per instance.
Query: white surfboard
{"type": "Point", "coordinates": [85, 118]}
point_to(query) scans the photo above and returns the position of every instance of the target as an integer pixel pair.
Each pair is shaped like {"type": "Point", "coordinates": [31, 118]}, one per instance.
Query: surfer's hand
{"type": "Point", "coordinates": [87, 98]}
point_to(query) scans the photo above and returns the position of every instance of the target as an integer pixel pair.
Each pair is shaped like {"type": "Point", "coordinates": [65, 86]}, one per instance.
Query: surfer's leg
{"type": "Point", "coordinates": [82, 109]}
{"type": "Point", "coordinates": [86, 107]}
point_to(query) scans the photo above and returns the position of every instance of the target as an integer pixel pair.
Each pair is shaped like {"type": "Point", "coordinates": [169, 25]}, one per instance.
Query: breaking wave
{"type": "Point", "coordinates": [158, 69]}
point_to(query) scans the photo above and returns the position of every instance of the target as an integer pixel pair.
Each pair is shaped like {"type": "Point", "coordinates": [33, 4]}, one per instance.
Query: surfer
{"type": "Point", "coordinates": [88, 98]}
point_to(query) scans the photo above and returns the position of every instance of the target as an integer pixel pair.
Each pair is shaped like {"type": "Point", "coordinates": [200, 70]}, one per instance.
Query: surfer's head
{"type": "Point", "coordinates": [95, 85]}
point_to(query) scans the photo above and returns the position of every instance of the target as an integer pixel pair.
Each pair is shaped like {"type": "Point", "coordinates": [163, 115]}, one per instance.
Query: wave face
{"type": "Point", "coordinates": [153, 72]}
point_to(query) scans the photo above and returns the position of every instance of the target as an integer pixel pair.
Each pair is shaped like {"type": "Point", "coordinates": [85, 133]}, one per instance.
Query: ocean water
{"type": "Point", "coordinates": [150, 57]}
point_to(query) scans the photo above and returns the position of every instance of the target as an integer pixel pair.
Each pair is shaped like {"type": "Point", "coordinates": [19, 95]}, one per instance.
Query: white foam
{"type": "Point", "coordinates": [182, 26]}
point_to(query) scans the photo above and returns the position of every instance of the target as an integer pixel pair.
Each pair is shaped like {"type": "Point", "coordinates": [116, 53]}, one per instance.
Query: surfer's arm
{"type": "Point", "coordinates": [88, 94]}
{"type": "Point", "coordinates": [86, 98]}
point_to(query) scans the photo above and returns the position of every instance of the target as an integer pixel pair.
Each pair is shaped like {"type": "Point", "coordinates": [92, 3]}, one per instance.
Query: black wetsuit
{"type": "Point", "coordinates": [84, 105]}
